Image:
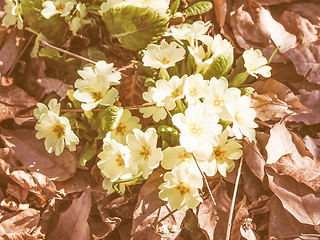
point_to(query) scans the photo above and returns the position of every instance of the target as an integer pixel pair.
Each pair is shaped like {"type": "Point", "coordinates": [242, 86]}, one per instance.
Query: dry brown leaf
{"type": "Point", "coordinates": [313, 145]}
{"type": "Point", "coordinates": [53, 85]}
{"type": "Point", "coordinates": [12, 100]}
{"type": "Point", "coordinates": [300, 200]}
{"type": "Point", "coordinates": [273, 2]}
{"type": "Point", "coordinates": [72, 224]}
{"type": "Point", "coordinates": [220, 9]}
{"type": "Point", "coordinates": [19, 222]}
{"type": "Point", "coordinates": [282, 224]}
{"type": "Point", "coordinates": [260, 206]}
{"type": "Point", "coordinates": [310, 100]}
{"type": "Point", "coordinates": [32, 153]}
{"type": "Point", "coordinates": [275, 100]}
{"type": "Point", "coordinates": [302, 169]}
{"type": "Point", "coordinates": [254, 158]}
{"type": "Point", "coordinates": [10, 203]}
{"type": "Point", "coordinates": [252, 186]}
{"type": "Point", "coordinates": [18, 192]}
{"type": "Point", "coordinates": [152, 218]}
{"type": "Point", "coordinates": [240, 214]}
{"type": "Point", "coordinates": [305, 57]}
{"type": "Point", "coordinates": [13, 44]}
{"type": "Point", "coordinates": [78, 183]}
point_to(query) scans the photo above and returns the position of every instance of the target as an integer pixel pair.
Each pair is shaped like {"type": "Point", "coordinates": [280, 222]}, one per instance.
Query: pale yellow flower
{"type": "Point", "coordinates": [53, 105]}
{"type": "Point", "coordinates": [13, 14]}
{"type": "Point", "coordinates": [180, 188]}
{"type": "Point", "coordinates": [256, 63]}
{"type": "Point", "coordinates": [195, 88]}
{"type": "Point", "coordinates": [162, 56]}
{"type": "Point", "coordinates": [62, 7]}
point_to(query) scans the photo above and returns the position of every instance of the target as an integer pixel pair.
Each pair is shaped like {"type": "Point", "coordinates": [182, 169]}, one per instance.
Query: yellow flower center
{"type": "Point", "coordinates": [59, 130]}
{"type": "Point", "coordinates": [183, 188]}
{"type": "Point", "coordinates": [193, 92]}
{"type": "Point", "coordinates": [120, 129]}
{"type": "Point", "coordinates": [146, 152]}
{"type": "Point", "coordinates": [176, 93]}
{"type": "Point", "coordinates": [97, 96]}
{"type": "Point", "coordinates": [218, 103]}
{"type": "Point", "coordinates": [120, 160]}
{"type": "Point", "coordinates": [60, 7]}
{"type": "Point", "coordinates": [184, 155]}
{"type": "Point", "coordinates": [164, 61]}
{"type": "Point", "coordinates": [218, 154]}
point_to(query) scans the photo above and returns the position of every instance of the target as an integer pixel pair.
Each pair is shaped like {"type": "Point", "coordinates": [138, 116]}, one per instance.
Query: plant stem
{"type": "Point", "coordinates": [233, 200]}
{"type": "Point", "coordinates": [45, 44]}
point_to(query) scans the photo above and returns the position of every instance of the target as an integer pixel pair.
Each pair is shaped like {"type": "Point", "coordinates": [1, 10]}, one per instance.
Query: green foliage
{"type": "Point", "coordinates": [169, 135]}
{"type": "Point", "coordinates": [135, 27]}
{"type": "Point", "coordinates": [174, 7]}
{"type": "Point", "coordinates": [53, 28]}
{"type": "Point", "coordinates": [89, 151]}
{"type": "Point", "coordinates": [198, 8]}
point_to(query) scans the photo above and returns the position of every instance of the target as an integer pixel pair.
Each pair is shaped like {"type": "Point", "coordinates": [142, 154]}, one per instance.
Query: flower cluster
{"type": "Point", "coordinates": [56, 130]}
{"type": "Point", "coordinates": [13, 14]}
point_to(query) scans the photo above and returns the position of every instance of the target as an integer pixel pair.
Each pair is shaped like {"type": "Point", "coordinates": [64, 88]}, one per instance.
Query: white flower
{"type": "Point", "coordinates": [94, 88]}
{"type": "Point", "coordinates": [162, 56]}
{"type": "Point", "coordinates": [144, 154]}
{"type": "Point", "coordinates": [78, 21]}
{"type": "Point", "coordinates": [218, 93]}
{"type": "Point", "coordinates": [114, 161]}
{"type": "Point", "coordinates": [169, 91]}
{"type": "Point", "coordinates": [180, 188]}
{"type": "Point", "coordinates": [223, 155]}
{"type": "Point", "coordinates": [238, 111]}
{"type": "Point", "coordinates": [195, 88]}
{"type": "Point", "coordinates": [190, 32]}
{"type": "Point", "coordinates": [57, 131]}
{"type": "Point", "coordinates": [53, 105]}
{"type": "Point", "coordinates": [124, 125]}
{"type": "Point", "coordinates": [158, 111]}
{"type": "Point", "coordinates": [62, 7]}
{"type": "Point", "coordinates": [199, 129]}
{"type": "Point", "coordinates": [13, 14]}
{"type": "Point", "coordinates": [255, 63]}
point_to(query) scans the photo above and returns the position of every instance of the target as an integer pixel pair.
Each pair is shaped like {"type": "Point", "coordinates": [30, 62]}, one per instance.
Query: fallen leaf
{"type": "Point", "coordinates": [12, 100]}
{"type": "Point", "coordinates": [18, 192]}
{"type": "Point", "coordinates": [240, 214]}
{"type": "Point", "coordinates": [260, 206]}
{"type": "Point", "coordinates": [19, 222]}
{"type": "Point", "coordinates": [310, 100]}
{"type": "Point", "coordinates": [254, 158]}
{"type": "Point", "coordinates": [152, 218]}
{"type": "Point", "coordinates": [283, 225]}
{"type": "Point", "coordinates": [300, 200]}
{"type": "Point", "coordinates": [220, 9]}
{"type": "Point", "coordinates": [53, 85]}
{"type": "Point", "coordinates": [305, 57]}
{"type": "Point", "coordinates": [313, 145]}
{"type": "Point", "coordinates": [275, 100]}
{"type": "Point", "coordinates": [78, 183]}
{"type": "Point", "coordinates": [252, 186]}
{"type": "Point", "coordinates": [10, 50]}
{"type": "Point", "coordinates": [302, 169]}
{"type": "Point", "coordinates": [273, 2]}
{"type": "Point", "coordinates": [33, 155]}
{"type": "Point", "coordinates": [72, 224]}
{"type": "Point", "coordinates": [12, 205]}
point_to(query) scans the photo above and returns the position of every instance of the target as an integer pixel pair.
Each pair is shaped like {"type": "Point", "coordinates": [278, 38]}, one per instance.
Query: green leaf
{"type": "Point", "coordinates": [89, 151]}
{"type": "Point", "coordinates": [169, 134]}
{"type": "Point", "coordinates": [198, 8]}
{"type": "Point", "coordinates": [174, 7]}
{"type": "Point", "coordinates": [107, 118]}
{"type": "Point", "coordinates": [221, 65]}
{"type": "Point", "coordinates": [135, 27]}
{"type": "Point", "coordinates": [53, 28]}
{"type": "Point", "coordinates": [49, 53]}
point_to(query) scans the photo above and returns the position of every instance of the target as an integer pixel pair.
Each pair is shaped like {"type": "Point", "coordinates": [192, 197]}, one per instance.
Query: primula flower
{"type": "Point", "coordinates": [57, 133]}
{"type": "Point", "coordinates": [173, 156]}
{"type": "Point", "coordinates": [190, 32]}
{"type": "Point", "coordinates": [223, 155]}
{"type": "Point", "coordinates": [62, 7]}
{"type": "Point", "coordinates": [124, 125]}
{"type": "Point", "coordinates": [144, 154]}
{"type": "Point", "coordinates": [13, 14]}
{"type": "Point", "coordinates": [79, 20]}
{"type": "Point", "coordinates": [195, 88]}
{"type": "Point", "coordinates": [255, 63]}
{"type": "Point", "coordinates": [169, 91]}
{"type": "Point", "coordinates": [158, 111]}
{"type": "Point", "coordinates": [53, 105]}
{"type": "Point", "coordinates": [114, 161]}
{"type": "Point", "coordinates": [199, 129]}
{"type": "Point", "coordinates": [218, 93]}
{"type": "Point", "coordinates": [162, 56]}
{"type": "Point", "coordinates": [94, 88]}
{"type": "Point", "coordinates": [238, 111]}
{"type": "Point", "coordinates": [180, 188]}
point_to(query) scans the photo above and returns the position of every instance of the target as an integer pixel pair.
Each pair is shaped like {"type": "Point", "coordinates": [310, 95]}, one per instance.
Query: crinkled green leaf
{"type": "Point", "coordinates": [135, 27]}
{"type": "Point", "coordinates": [174, 7]}
{"type": "Point", "coordinates": [220, 65]}
{"type": "Point", "coordinates": [53, 28]}
{"type": "Point", "coordinates": [198, 8]}
{"type": "Point", "coordinates": [107, 118]}
{"type": "Point", "coordinates": [169, 134]}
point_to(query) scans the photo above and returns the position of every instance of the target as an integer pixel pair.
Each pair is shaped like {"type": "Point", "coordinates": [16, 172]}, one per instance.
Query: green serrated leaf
{"type": "Point", "coordinates": [135, 27]}
{"type": "Point", "coordinates": [108, 118]}
{"type": "Point", "coordinates": [198, 8]}
{"type": "Point", "coordinates": [220, 66]}
{"type": "Point", "coordinates": [53, 28]}
{"type": "Point", "coordinates": [89, 151]}
{"type": "Point", "coordinates": [174, 7]}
